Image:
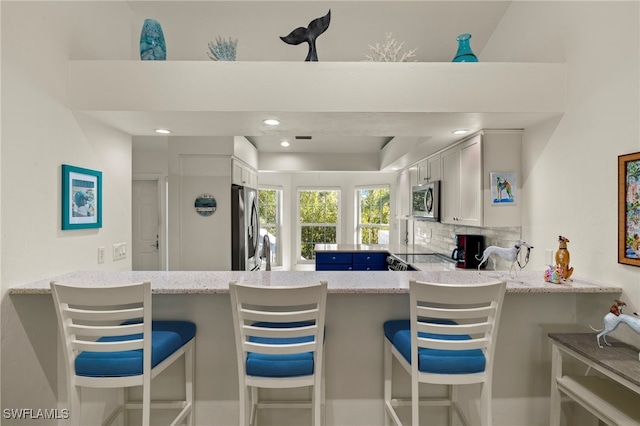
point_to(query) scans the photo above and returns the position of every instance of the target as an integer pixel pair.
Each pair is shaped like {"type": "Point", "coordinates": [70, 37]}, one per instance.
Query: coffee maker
{"type": "Point", "coordinates": [468, 246]}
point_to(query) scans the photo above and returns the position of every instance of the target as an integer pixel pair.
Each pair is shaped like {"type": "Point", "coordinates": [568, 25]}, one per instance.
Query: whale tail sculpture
{"type": "Point", "coordinates": [309, 34]}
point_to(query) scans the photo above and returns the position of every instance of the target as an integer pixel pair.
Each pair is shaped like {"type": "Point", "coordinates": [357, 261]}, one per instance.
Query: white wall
{"type": "Point", "coordinates": [199, 165]}
{"type": "Point", "coordinates": [39, 134]}
{"type": "Point", "coordinates": [346, 182]}
{"type": "Point", "coordinates": [570, 166]}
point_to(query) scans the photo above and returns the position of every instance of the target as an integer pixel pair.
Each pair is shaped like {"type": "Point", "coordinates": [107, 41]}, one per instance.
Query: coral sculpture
{"type": "Point", "coordinates": [390, 52]}
{"type": "Point", "coordinates": [223, 50]}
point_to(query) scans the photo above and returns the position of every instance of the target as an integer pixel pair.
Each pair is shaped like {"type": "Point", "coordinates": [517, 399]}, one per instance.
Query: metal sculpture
{"type": "Point", "coordinates": [309, 34]}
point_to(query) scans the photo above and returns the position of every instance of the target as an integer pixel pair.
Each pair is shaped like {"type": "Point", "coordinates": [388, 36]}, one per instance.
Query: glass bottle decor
{"type": "Point", "coordinates": [152, 44]}
{"type": "Point", "coordinates": [464, 53]}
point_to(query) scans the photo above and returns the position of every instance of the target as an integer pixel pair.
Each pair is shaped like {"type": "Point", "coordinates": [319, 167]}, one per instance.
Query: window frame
{"type": "Point", "coordinates": [358, 211]}
{"type": "Point", "coordinates": [279, 219]}
{"type": "Point", "coordinates": [299, 225]}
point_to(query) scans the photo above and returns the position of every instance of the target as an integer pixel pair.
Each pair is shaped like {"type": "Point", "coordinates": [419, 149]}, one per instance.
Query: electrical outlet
{"type": "Point", "coordinates": [548, 257]}
{"type": "Point", "coordinates": [119, 251]}
{"type": "Point", "coordinates": [101, 254]}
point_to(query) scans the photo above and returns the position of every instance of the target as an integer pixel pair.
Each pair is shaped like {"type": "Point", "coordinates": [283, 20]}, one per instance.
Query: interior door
{"type": "Point", "coordinates": [145, 226]}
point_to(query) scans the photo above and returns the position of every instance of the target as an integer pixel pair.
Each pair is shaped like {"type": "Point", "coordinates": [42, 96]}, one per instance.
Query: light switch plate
{"type": "Point", "coordinates": [548, 257]}
{"type": "Point", "coordinates": [101, 254]}
{"type": "Point", "coordinates": [119, 251]}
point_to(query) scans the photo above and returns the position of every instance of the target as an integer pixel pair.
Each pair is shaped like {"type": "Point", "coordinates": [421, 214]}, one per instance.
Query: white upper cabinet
{"type": "Point", "coordinates": [403, 191]}
{"type": "Point", "coordinates": [466, 179]}
{"type": "Point", "coordinates": [243, 174]}
{"type": "Point", "coordinates": [461, 184]}
{"type": "Point", "coordinates": [429, 169]}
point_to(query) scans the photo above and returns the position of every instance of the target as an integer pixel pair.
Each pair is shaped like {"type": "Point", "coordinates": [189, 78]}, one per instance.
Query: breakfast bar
{"type": "Point", "coordinates": [358, 304]}
{"type": "Point", "coordinates": [347, 282]}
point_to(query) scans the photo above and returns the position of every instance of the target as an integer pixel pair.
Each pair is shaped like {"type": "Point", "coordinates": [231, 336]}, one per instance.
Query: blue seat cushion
{"type": "Point", "coordinates": [391, 327]}
{"type": "Point", "coordinates": [436, 361]}
{"type": "Point", "coordinates": [166, 338]}
{"type": "Point", "coordinates": [289, 365]}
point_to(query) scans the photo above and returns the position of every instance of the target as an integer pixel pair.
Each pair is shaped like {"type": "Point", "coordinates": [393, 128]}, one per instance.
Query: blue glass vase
{"type": "Point", "coordinates": [152, 45]}
{"type": "Point", "coordinates": [464, 53]}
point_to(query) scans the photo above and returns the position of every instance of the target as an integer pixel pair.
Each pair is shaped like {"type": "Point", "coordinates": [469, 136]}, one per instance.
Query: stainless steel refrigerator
{"type": "Point", "coordinates": [245, 229]}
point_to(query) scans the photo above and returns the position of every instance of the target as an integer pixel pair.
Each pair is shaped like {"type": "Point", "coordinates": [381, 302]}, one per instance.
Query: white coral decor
{"type": "Point", "coordinates": [223, 50]}
{"type": "Point", "coordinates": [390, 52]}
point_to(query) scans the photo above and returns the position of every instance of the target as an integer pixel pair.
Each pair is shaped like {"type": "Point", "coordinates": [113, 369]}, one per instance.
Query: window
{"type": "Point", "coordinates": [373, 215]}
{"type": "Point", "coordinates": [270, 206]}
{"type": "Point", "coordinates": [318, 213]}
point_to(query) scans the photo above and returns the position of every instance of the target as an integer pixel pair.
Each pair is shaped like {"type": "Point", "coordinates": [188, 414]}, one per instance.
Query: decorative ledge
{"type": "Point", "coordinates": [192, 86]}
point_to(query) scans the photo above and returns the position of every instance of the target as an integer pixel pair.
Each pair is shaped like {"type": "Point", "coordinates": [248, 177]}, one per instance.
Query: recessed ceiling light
{"type": "Point", "coordinates": [460, 132]}
{"type": "Point", "coordinates": [284, 144]}
{"type": "Point", "coordinates": [271, 122]}
{"type": "Point", "coordinates": [163, 131]}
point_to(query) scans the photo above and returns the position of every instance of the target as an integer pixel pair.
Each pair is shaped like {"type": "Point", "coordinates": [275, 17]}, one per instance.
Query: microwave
{"type": "Point", "coordinates": [425, 201]}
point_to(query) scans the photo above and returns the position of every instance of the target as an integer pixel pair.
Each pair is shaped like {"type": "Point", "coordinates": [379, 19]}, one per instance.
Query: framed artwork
{"type": "Point", "coordinates": [503, 188]}
{"type": "Point", "coordinates": [81, 198]}
{"type": "Point", "coordinates": [629, 209]}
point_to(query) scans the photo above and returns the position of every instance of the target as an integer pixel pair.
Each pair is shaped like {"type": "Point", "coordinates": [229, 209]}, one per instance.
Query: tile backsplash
{"type": "Point", "coordinates": [441, 237]}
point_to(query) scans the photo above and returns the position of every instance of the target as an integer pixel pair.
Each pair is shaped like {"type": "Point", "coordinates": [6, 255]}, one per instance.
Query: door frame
{"type": "Point", "coordinates": [163, 188]}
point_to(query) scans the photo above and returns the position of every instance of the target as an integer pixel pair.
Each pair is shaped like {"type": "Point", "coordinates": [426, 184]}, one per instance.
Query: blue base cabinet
{"type": "Point", "coordinates": [351, 261]}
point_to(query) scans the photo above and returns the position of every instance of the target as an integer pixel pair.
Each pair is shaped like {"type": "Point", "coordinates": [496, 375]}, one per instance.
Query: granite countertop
{"type": "Point", "coordinates": [388, 248]}
{"type": "Point", "coordinates": [345, 282]}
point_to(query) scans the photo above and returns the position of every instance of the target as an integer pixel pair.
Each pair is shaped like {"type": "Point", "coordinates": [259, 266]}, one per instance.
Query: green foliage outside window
{"type": "Point", "coordinates": [267, 203]}
{"type": "Point", "coordinates": [268, 208]}
{"type": "Point", "coordinates": [318, 220]}
{"type": "Point", "coordinates": [374, 214]}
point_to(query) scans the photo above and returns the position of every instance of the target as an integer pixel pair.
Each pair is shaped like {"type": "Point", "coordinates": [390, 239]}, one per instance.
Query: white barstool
{"type": "Point", "coordinates": [110, 341]}
{"type": "Point", "coordinates": [279, 340]}
{"type": "Point", "coordinates": [449, 339]}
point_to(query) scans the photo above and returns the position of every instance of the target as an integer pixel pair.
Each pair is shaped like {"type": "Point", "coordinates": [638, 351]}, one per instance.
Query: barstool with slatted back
{"type": "Point", "coordinates": [110, 341]}
{"type": "Point", "coordinates": [449, 339]}
{"type": "Point", "coordinates": [279, 341]}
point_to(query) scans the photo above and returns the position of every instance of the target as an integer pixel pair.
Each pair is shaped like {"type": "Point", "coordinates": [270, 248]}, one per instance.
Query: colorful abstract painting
{"type": "Point", "coordinates": [629, 209]}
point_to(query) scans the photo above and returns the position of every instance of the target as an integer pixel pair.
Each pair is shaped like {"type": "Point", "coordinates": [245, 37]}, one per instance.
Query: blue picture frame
{"type": "Point", "coordinates": [81, 198]}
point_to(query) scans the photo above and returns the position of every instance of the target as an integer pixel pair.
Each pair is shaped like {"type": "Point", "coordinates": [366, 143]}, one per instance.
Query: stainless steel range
{"type": "Point", "coordinates": [403, 261]}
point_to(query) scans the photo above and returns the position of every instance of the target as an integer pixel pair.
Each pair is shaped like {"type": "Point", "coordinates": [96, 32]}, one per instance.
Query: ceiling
{"type": "Point", "coordinates": [430, 27]}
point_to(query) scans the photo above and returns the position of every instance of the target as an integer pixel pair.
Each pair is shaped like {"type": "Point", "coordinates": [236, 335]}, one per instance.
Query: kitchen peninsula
{"type": "Point", "coordinates": [347, 282]}
{"type": "Point", "coordinates": [357, 306]}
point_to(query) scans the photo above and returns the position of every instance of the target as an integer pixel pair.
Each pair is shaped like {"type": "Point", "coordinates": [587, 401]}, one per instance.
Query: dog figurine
{"type": "Point", "coordinates": [509, 254]}
{"type": "Point", "coordinates": [562, 257]}
{"type": "Point", "coordinates": [616, 308]}
{"type": "Point", "coordinates": [613, 319]}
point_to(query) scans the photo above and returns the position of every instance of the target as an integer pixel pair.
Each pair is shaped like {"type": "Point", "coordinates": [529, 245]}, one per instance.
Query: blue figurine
{"type": "Point", "coordinates": [309, 34]}
{"type": "Point", "coordinates": [152, 45]}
